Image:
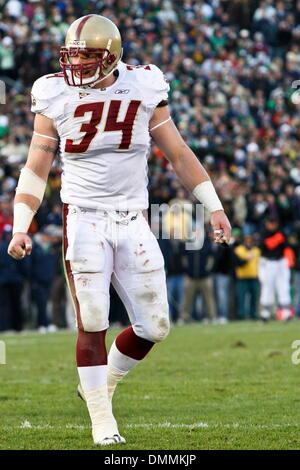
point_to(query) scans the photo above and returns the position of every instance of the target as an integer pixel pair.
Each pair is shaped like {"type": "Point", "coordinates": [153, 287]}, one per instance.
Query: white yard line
{"type": "Point", "coordinates": [212, 425]}
{"type": "Point", "coordinates": [28, 425]}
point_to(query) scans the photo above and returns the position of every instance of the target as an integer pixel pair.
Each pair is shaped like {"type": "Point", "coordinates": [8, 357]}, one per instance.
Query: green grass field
{"type": "Point", "coordinates": [228, 386]}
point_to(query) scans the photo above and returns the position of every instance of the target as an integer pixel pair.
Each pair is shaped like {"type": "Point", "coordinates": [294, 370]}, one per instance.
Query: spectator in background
{"type": "Point", "coordinates": [12, 276]}
{"type": "Point", "coordinates": [43, 262]}
{"type": "Point", "coordinates": [199, 280]}
{"type": "Point", "coordinates": [173, 251]}
{"type": "Point", "coordinates": [7, 58]}
{"type": "Point", "coordinates": [54, 217]}
{"type": "Point", "coordinates": [177, 220]}
{"type": "Point", "coordinates": [225, 262]}
{"type": "Point", "coordinates": [247, 284]}
{"type": "Point", "coordinates": [6, 212]}
{"type": "Point", "coordinates": [58, 288]}
{"type": "Point", "coordinates": [176, 229]}
{"type": "Point", "coordinates": [15, 151]}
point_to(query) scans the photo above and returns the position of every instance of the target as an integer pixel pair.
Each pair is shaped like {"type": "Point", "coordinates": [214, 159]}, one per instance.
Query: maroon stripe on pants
{"type": "Point", "coordinates": [81, 25]}
{"type": "Point", "coordinates": [68, 268]}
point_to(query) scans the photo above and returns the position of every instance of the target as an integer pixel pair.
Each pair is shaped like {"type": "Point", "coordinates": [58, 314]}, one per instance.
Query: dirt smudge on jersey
{"type": "Point", "coordinates": [139, 254]}
{"type": "Point", "coordinates": [84, 281]}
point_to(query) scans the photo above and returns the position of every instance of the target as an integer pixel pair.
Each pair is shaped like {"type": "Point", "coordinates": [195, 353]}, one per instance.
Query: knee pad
{"type": "Point", "coordinates": [151, 308]}
{"type": "Point", "coordinates": [94, 309]}
{"type": "Point", "coordinates": [156, 326]}
{"type": "Point", "coordinates": [159, 330]}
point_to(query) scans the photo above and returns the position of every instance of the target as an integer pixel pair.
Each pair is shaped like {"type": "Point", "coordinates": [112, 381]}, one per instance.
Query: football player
{"type": "Point", "coordinates": [102, 114]}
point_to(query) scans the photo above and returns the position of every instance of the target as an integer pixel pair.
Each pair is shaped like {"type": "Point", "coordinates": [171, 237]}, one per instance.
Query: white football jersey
{"type": "Point", "coordinates": [104, 135]}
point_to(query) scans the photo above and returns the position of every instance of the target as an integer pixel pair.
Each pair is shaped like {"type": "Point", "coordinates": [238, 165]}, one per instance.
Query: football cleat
{"type": "Point", "coordinates": [106, 433]}
{"type": "Point", "coordinates": [115, 439]}
{"type": "Point", "coordinates": [104, 426]}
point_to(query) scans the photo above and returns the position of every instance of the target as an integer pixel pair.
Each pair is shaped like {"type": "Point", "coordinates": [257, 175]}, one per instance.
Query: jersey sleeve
{"type": "Point", "coordinates": [44, 97]}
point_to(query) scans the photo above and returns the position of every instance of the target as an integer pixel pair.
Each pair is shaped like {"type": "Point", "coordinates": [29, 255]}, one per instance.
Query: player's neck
{"type": "Point", "coordinates": [106, 82]}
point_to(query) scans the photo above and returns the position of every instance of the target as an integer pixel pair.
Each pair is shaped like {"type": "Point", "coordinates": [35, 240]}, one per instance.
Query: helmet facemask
{"type": "Point", "coordinates": [74, 74]}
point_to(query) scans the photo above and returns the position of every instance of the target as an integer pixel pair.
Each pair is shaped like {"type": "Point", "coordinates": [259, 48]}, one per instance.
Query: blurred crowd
{"type": "Point", "coordinates": [233, 68]}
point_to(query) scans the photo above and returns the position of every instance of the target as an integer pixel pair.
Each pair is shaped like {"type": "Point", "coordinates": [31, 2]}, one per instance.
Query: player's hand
{"type": "Point", "coordinates": [20, 246]}
{"type": "Point", "coordinates": [221, 227]}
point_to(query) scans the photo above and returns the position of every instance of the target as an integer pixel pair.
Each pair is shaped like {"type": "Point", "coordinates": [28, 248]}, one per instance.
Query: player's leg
{"type": "Point", "coordinates": [88, 262]}
{"type": "Point", "coordinates": [142, 288]}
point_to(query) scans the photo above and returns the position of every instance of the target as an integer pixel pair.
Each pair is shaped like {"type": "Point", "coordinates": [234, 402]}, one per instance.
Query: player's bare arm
{"type": "Point", "coordinates": [189, 169]}
{"type": "Point", "coordinates": [32, 182]}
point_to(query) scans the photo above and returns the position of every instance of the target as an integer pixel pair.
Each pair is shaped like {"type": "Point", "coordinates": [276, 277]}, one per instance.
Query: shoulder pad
{"type": "Point", "coordinates": [152, 79]}
{"type": "Point", "coordinates": [48, 86]}
{"type": "Point", "coordinates": [44, 90]}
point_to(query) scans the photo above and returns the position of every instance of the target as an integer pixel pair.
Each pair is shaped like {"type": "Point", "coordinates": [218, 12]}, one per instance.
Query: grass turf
{"type": "Point", "coordinates": [215, 387]}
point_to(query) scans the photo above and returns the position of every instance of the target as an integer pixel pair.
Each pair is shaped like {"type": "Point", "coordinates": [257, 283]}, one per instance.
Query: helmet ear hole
{"type": "Point", "coordinates": [111, 59]}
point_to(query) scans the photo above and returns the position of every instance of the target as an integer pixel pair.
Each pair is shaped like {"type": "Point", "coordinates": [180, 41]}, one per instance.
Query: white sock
{"type": "Point", "coordinates": [104, 424]}
{"type": "Point", "coordinates": [118, 366]}
{"type": "Point", "coordinates": [93, 381]}
{"type": "Point", "coordinates": [92, 377]}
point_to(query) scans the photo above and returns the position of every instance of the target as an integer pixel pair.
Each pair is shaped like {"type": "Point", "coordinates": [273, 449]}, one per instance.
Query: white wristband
{"type": "Point", "coordinates": [206, 193]}
{"type": "Point", "coordinates": [30, 183]}
{"type": "Point", "coordinates": [23, 216]}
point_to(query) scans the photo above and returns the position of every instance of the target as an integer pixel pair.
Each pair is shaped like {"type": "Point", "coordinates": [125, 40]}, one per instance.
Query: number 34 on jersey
{"type": "Point", "coordinates": [112, 123]}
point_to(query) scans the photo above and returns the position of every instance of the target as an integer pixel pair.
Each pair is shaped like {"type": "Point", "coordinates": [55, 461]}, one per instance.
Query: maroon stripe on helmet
{"type": "Point", "coordinates": [81, 25]}
{"type": "Point", "coordinates": [68, 268]}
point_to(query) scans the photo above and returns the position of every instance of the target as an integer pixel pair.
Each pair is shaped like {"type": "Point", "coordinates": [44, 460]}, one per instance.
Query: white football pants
{"type": "Point", "coordinates": [102, 247]}
{"type": "Point", "coordinates": [274, 276]}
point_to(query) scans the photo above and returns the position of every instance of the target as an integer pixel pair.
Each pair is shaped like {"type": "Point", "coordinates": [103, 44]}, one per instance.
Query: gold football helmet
{"type": "Point", "coordinates": [90, 34]}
